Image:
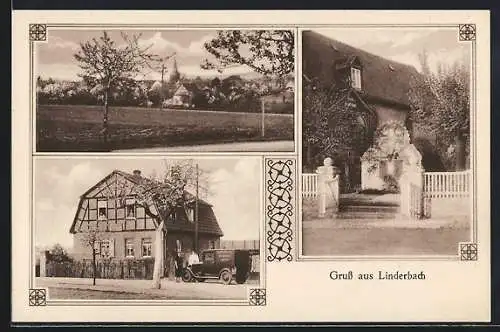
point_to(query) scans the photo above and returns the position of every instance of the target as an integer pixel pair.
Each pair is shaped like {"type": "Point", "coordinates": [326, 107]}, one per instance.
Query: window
{"type": "Point", "coordinates": [356, 78]}
{"type": "Point", "coordinates": [190, 214]}
{"type": "Point", "coordinates": [102, 208]}
{"type": "Point", "coordinates": [130, 207]}
{"type": "Point", "coordinates": [129, 248]}
{"type": "Point", "coordinates": [147, 247]}
{"type": "Point", "coordinates": [106, 248]}
{"type": "Point", "coordinates": [211, 244]}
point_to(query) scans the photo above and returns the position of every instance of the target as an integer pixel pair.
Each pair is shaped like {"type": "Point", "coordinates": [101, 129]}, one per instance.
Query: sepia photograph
{"type": "Point", "coordinates": [147, 229]}
{"type": "Point", "coordinates": [202, 90]}
{"type": "Point", "coordinates": [386, 141]}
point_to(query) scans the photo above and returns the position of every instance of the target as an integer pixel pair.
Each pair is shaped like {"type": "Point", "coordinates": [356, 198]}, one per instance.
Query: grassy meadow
{"type": "Point", "coordinates": [76, 128]}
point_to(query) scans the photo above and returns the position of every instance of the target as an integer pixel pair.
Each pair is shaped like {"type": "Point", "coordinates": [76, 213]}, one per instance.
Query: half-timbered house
{"type": "Point", "coordinates": [127, 231]}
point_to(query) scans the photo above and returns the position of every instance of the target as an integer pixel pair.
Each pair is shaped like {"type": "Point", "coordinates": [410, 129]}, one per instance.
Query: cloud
{"type": "Point", "coordinates": [62, 71]}
{"type": "Point", "coordinates": [53, 226]}
{"type": "Point", "coordinates": [236, 200]}
{"type": "Point", "coordinates": [410, 37]}
{"type": "Point", "coordinates": [56, 42]}
{"type": "Point", "coordinates": [57, 201]}
{"type": "Point", "coordinates": [161, 45]}
{"type": "Point", "coordinates": [45, 205]}
{"type": "Point", "coordinates": [435, 57]}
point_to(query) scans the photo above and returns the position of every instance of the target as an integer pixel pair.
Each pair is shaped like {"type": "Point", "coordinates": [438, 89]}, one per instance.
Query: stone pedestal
{"type": "Point", "coordinates": [391, 155]}
{"type": "Point", "coordinates": [328, 187]}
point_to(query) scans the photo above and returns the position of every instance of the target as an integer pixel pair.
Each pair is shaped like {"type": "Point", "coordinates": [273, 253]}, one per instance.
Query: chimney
{"type": "Point", "coordinates": [137, 172]}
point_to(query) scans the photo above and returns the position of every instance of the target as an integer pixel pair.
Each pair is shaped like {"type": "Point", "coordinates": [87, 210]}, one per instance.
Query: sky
{"type": "Point", "coordinates": [404, 44]}
{"type": "Point", "coordinates": [233, 182]}
{"type": "Point", "coordinates": [55, 57]}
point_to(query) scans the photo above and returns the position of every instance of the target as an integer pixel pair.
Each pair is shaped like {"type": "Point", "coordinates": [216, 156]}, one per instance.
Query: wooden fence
{"type": "Point", "coordinates": [123, 269]}
{"type": "Point", "coordinates": [309, 185]}
{"type": "Point", "coordinates": [447, 184]}
{"type": "Point", "coordinates": [447, 193]}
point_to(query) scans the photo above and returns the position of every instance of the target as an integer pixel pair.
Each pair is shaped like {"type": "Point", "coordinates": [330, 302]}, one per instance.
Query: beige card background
{"type": "Point", "coordinates": [296, 291]}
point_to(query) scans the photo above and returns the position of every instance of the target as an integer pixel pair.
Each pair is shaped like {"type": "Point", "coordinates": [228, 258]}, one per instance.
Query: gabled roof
{"type": "Point", "coordinates": [383, 80]}
{"type": "Point", "coordinates": [207, 221]}
{"type": "Point", "coordinates": [182, 91]}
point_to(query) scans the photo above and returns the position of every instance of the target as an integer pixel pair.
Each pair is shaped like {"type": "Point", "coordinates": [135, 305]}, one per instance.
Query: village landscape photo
{"type": "Point", "coordinates": [147, 229]}
{"type": "Point", "coordinates": [386, 142]}
{"type": "Point", "coordinates": [122, 90]}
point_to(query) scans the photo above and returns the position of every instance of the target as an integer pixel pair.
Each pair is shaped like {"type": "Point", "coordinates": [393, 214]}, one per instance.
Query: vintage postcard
{"type": "Point", "coordinates": [251, 166]}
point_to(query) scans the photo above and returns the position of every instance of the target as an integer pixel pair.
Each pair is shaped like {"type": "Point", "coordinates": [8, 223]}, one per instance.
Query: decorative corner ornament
{"type": "Point", "coordinates": [38, 32]}
{"type": "Point", "coordinates": [279, 208]}
{"type": "Point", "coordinates": [257, 296]}
{"type": "Point", "coordinates": [468, 251]}
{"type": "Point", "coordinates": [37, 297]}
{"type": "Point", "coordinates": [467, 32]}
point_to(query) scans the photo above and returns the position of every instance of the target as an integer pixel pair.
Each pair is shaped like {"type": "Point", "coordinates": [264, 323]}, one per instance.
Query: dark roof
{"type": "Point", "coordinates": [207, 221]}
{"type": "Point", "coordinates": [383, 80]}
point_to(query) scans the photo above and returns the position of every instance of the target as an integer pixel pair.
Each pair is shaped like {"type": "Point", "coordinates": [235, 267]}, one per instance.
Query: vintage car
{"type": "Point", "coordinates": [223, 264]}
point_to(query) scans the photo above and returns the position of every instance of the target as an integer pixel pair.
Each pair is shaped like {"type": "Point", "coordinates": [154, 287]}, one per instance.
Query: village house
{"type": "Point", "coordinates": [128, 232]}
{"type": "Point", "coordinates": [379, 90]}
{"type": "Point", "coordinates": [183, 95]}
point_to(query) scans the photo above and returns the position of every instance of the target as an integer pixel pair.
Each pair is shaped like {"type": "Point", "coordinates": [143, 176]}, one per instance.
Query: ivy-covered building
{"type": "Point", "coordinates": [378, 89]}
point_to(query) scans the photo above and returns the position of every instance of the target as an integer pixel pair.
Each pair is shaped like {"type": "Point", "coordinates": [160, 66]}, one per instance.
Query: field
{"type": "Point", "coordinates": [75, 128]}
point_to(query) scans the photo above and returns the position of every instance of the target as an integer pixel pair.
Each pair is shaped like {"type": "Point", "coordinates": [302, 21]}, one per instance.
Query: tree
{"type": "Point", "coordinates": [331, 125]}
{"type": "Point", "coordinates": [92, 238]}
{"type": "Point", "coordinates": [161, 195]}
{"type": "Point", "coordinates": [440, 102]}
{"type": "Point", "coordinates": [268, 52]}
{"type": "Point", "coordinates": [111, 66]}
{"type": "Point", "coordinates": [58, 254]}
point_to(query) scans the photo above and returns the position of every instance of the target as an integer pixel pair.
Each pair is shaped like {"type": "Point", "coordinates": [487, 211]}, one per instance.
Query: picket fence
{"type": "Point", "coordinates": [309, 185]}
{"type": "Point", "coordinates": [447, 184]}
{"type": "Point", "coordinates": [124, 269]}
{"type": "Point", "coordinates": [435, 186]}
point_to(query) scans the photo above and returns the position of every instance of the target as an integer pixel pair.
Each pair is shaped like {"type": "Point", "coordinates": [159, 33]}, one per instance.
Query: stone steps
{"type": "Point", "coordinates": [359, 211]}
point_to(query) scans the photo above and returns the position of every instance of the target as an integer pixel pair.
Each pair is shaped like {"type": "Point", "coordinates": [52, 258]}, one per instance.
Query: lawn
{"type": "Point", "coordinates": [382, 241]}
{"type": "Point", "coordinates": [84, 294]}
{"type": "Point", "coordinates": [75, 128]}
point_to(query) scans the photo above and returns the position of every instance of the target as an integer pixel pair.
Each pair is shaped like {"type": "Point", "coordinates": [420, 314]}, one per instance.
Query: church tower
{"type": "Point", "coordinates": [175, 75]}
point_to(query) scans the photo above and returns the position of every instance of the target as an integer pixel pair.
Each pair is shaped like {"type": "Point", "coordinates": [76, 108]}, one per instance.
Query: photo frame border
{"type": "Point", "coordinates": [466, 32]}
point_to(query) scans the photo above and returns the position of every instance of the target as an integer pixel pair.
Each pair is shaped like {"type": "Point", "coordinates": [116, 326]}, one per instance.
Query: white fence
{"type": "Point", "coordinates": [309, 185]}
{"type": "Point", "coordinates": [438, 194]}
{"type": "Point", "coordinates": [447, 184]}
{"type": "Point", "coordinates": [447, 193]}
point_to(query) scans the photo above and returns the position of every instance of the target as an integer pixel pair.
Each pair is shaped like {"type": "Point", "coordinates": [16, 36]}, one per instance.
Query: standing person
{"type": "Point", "coordinates": [178, 266]}
{"type": "Point", "coordinates": [193, 258]}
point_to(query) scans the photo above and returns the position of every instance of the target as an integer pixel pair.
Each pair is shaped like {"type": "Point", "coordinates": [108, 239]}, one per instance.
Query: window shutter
{"type": "Point", "coordinates": [112, 248]}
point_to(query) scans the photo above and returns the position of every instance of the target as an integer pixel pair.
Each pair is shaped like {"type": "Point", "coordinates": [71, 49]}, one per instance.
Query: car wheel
{"type": "Point", "coordinates": [187, 276]}
{"type": "Point", "coordinates": [226, 277]}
